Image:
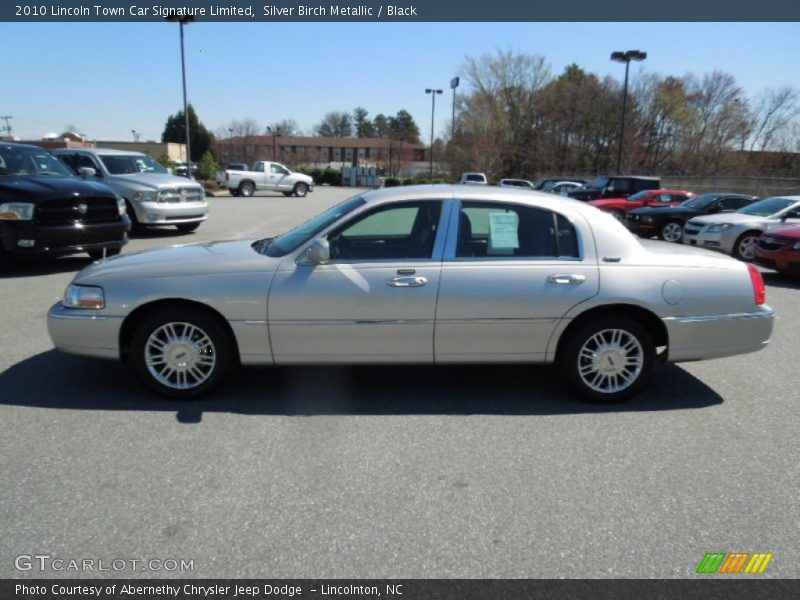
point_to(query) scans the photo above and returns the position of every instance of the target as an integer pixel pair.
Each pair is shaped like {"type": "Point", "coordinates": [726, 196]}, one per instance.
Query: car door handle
{"type": "Point", "coordinates": [567, 279]}
{"type": "Point", "coordinates": [407, 281]}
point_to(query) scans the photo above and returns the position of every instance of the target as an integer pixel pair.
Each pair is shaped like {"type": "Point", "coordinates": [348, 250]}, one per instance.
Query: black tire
{"type": "Point", "coordinates": [572, 362]}
{"type": "Point", "coordinates": [287, 194]}
{"type": "Point", "coordinates": [671, 231]}
{"type": "Point", "coordinates": [219, 350]}
{"type": "Point", "coordinates": [98, 254]}
{"type": "Point", "coordinates": [135, 225]}
{"type": "Point", "coordinates": [187, 227]}
{"type": "Point", "coordinates": [744, 242]}
{"type": "Point", "coordinates": [234, 192]}
{"type": "Point", "coordinates": [246, 189]}
{"type": "Point", "coordinates": [300, 189]}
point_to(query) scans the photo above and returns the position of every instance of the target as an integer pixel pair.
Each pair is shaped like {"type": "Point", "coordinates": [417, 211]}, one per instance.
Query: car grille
{"type": "Point", "coordinates": [632, 217]}
{"type": "Point", "coordinates": [69, 211]}
{"type": "Point", "coordinates": [772, 244]}
{"type": "Point", "coordinates": [184, 194]}
{"type": "Point", "coordinates": [690, 230]}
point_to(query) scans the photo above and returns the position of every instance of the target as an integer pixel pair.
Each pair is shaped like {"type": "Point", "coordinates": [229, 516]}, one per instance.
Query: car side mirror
{"type": "Point", "coordinates": [87, 172]}
{"type": "Point", "coordinates": [318, 253]}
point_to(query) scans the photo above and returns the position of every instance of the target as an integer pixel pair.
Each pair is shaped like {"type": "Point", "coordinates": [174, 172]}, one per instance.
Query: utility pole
{"type": "Point", "coordinates": [7, 128]}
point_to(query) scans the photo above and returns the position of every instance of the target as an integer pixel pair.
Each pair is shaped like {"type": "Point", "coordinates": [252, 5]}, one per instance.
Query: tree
{"type": "Point", "coordinates": [774, 112]}
{"type": "Point", "coordinates": [364, 127]}
{"type": "Point", "coordinates": [404, 127]}
{"type": "Point", "coordinates": [237, 141]}
{"type": "Point", "coordinates": [285, 127]}
{"type": "Point", "coordinates": [335, 124]}
{"type": "Point", "coordinates": [206, 167]}
{"type": "Point", "coordinates": [380, 125]}
{"type": "Point", "coordinates": [200, 137]}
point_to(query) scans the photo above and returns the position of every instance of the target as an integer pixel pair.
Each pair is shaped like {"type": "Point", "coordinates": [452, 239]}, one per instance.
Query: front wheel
{"type": "Point", "coordinates": [671, 232]}
{"type": "Point", "coordinates": [247, 189]}
{"type": "Point", "coordinates": [300, 189]}
{"type": "Point", "coordinates": [182, 353]}
{"type": "Point", "coordinates": [608, 360]}
{"type": "Point", "coordinates": [745, 247]}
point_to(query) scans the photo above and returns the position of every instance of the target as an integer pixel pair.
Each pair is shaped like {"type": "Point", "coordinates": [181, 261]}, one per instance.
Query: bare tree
{"type": "Point", "coordinates": [287, 127]}
{"type": "Point", "coordinates": [335, 124]}
{"type": "Point", "coordinates": [236, 142]}
{"type": "Point", "coordinates": [774, 112]}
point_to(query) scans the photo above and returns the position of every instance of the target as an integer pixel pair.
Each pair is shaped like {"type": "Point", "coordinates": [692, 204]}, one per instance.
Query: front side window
{"type": "Point", "coordinates": [503, 230]}
{"type": "Point", "coordinates": [279, 170]}
{"type": "Point", "coordinates": [397, 231]}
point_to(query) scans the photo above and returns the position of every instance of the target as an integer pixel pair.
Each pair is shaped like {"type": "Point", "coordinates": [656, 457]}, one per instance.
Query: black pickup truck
{"type": "Point", "coordinates": [46, 210]}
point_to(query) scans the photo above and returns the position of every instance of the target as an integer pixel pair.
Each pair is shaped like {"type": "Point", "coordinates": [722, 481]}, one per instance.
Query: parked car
{"type": "Point", "coordinates": [444, 274]}
{"type": "Point", "coordinates": [615, 186]}
{"type": "Point", "coordinates": [618, 207]}
{"type": "Point", "coordinates": [181, 169]}
{"type": "Point", "coordinates": [779, 249]}
{"type": "Point", "coordinates": [46, 210]}
{"type": "Point", "coordinates": [562, 188]}
{"type": "Point", "coordinates": [667, 221]}
{"type": "Point", "coordinates": [515, 183]}
{"type": "Point", "coordinates": [546, 183]}
{"type": "Point", "coordinates": [736, 233]}
{"type": "Point", "coordinates": [268, 176]}
{"type": "Point", "coordinates": [474, 179]}
{"type": "Point", "coordinates": [220, 175]}
{"type": "Point", "coordinates": [153, 197]}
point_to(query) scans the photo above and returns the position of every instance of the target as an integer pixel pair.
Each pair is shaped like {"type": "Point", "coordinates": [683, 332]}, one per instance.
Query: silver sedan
{"type": "Point", "coordinates": [428, 274]}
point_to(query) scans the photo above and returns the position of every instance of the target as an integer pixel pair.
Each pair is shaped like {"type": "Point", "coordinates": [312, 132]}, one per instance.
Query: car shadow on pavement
{"type": "Point", "coordinates": [36, 267]}
{"type": "Point", "coordinates": [76, 383]}
{"type": "Point", "coordinates": [789, 282]}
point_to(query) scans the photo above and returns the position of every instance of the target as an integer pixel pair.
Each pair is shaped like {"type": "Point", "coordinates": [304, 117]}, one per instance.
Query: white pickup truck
{"type": "Point", "coordinates": [269, 176]}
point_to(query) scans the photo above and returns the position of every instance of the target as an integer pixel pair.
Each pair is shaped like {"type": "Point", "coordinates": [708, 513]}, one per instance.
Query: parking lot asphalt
{"type": "Point", "coordinates": [490, 471]}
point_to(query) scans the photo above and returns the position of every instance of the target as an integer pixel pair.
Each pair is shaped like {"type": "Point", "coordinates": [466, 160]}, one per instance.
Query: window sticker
{"type": "Point", "coordinates": [503, 232]}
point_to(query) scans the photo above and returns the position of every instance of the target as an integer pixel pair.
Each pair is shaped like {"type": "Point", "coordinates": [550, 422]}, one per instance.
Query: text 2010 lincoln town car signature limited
{"type": "Point", "coordinates": [444, 274]}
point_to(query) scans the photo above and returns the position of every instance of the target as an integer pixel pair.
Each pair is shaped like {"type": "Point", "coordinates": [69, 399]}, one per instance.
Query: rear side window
{"type": "Point", "coordinates": [503, 230]}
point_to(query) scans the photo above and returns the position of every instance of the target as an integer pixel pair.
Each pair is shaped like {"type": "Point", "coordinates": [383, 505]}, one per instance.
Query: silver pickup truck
{"type": "Point", "coordinates": [154, 197]}
{"type": "Point", "coordinates": [270, 176]}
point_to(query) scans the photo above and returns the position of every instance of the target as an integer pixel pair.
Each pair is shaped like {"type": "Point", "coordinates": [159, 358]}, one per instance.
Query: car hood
{"type": "Point", "coordinates": [735, 218]}
{"type": "Point", "coordinates": [36, 188]}
{"type": "Point", "coordinates": [606, 202]}
{"type": "Point", "coordinates": [791, 232]}
{"type": "Point", "coordinates": [207, 258]}
{"type": "Point", "coordinates": [156, 180]}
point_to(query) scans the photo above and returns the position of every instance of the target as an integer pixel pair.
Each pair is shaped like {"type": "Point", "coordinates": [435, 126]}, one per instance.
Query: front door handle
{"type": "Point", "coordinates": [567, 279]}
{"type": "Point", "coordinates": [407, 281]}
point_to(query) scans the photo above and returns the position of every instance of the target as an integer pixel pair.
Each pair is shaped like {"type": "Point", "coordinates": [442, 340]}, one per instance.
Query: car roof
{"type": "Point", "coordinates": [102, 151]}
{"type": "Point", "coordinates": [18, 145]}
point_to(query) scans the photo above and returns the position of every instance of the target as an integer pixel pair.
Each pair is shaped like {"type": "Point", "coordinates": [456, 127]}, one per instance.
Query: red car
{"type": "Point", "coordinates": [619, 206]}
{"type": "Point", "coordinates": [779, 249]}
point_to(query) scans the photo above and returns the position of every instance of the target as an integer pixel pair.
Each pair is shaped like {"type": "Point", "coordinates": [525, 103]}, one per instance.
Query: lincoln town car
{"type": "Point", "coordinates": [426, 274]}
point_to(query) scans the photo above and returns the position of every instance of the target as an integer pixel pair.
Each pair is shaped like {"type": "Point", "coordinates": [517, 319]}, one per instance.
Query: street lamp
{"type": "Point", "coordinates": [135, 135]}
{"type": "Point", "coordinates": [433, 93]}
{"type": "Point", "coordinates": [274, 133]}
{"type": "Point", "coordinates": [182, 20]}
{"type": "Point", "coordinates": [453, 85]}
{"type": "Point", "coordinates": [625, 57]}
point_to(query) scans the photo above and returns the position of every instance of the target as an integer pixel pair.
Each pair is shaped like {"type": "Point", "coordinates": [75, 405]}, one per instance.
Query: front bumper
{"type": "Point", "coordinates": [25, 238]}
{"type": "Point", "coordinates": [714, 336]}
{"type": "Point", "coordinates": [170, 213]}
{"type": "Point", "coordinates": [640, 228]}
{"type": "Point", "coordinates": [84, 332]}
{"type": "Point", "coordinates": [785, 262]}
{"type": "Point", "coordinates": [722, 241]}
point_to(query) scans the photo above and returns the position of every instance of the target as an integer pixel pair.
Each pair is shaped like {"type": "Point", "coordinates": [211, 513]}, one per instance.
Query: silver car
{"type": "Point", "coordinates": [153, 196]}
{"type": "Point", "coordinates": [425, 274]}
{"type": "Point", "coordinates": [736, 233]}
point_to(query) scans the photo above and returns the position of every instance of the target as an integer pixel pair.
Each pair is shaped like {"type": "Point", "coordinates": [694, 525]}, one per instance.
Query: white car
{"type": "Point", "coordinates": [474, 179]}
{"type": "Point", "coordinates": [522, 184]}
{"type": "Point", "coordinates": [736, 233]}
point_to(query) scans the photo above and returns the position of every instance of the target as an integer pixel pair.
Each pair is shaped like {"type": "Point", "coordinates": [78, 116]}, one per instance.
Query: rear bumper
{"type": "Point", "coordinates": [715, 336]}
{"type": "Point", "coordinates": [75, 332]}
{"type": "Point", "coordinates": [24, 238]}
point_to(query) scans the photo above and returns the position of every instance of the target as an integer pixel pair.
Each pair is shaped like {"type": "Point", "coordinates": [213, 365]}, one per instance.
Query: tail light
{"type": "Point", "coordinates": [759, 292]}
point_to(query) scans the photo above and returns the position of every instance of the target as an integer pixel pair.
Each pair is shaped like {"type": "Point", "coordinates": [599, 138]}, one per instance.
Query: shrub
{"type": "Point", "coordinates": [391, 182]}
{"type": "Point", "coordinates": [207, 167]}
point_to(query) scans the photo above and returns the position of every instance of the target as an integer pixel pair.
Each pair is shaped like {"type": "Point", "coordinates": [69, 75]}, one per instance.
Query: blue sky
{"type": "Point", "coordinates": [110, 78]}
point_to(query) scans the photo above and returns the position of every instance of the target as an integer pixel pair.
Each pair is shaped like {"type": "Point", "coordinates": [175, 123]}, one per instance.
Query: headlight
{"type": "Point", "coordinates": [121, 206]}
{"type": "Point", "coordinates": [146, 196]}
{"type": "Point", "coordinates": [719, 227]}
{"type": "Point", "coordinates": [16, 211]}
{"type": "Point", "coordinates": [84, 296]}
{"type": "Point", "coordinates": [647, 219]}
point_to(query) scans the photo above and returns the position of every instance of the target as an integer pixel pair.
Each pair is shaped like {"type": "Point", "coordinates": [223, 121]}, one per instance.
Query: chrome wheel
{"type": "Point", "coordinates": [672, 232]}
{"type": "Point", "coordinates": [246, 190]}
{"type": "Point", "coordinates": [746, 247]}
{"type": "Point", "coordinates": [610, 361]}
{"type": "Point", "coordinates": [180, 356]}
{"type": "Point", "coordinates": [300, 190]}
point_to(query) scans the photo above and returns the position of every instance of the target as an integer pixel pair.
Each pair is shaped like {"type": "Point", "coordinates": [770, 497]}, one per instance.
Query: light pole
{"type": "Point", "coordinates": [453, 85]}
{"type": "Point", "coordinates": [433, 93]}
{"type": "Point", "coordinates": [274, 133]}
{"type": "Point", "coordinates": [625, 57]}
{"type": "Point", "coordinates": [184, 20]}
{"type": "Point", "coordinates": [135, 135]}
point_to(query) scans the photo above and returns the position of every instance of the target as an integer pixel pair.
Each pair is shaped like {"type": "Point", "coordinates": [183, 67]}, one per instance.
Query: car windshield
{"type": "Point", "coordinates": [129, 164]}
{"type": "Point", "coordinates": [638, 196]}
{"type": "Point", "coordinates": [599, 183]}
{"type": "Point", "coordinates": [298, 236]}
{"type": "Point", "coordinates": [767, 207]}
{"type": "Point", "coordinates": [16, 161]}
{"type": "Point", "coordinates": [700, 202]}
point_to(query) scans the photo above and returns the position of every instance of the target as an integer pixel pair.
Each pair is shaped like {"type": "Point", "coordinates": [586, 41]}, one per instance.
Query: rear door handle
{"type": "Point", "coordinates": [407, 281]}
{"type": "Point", "coordinates": [567, 279]}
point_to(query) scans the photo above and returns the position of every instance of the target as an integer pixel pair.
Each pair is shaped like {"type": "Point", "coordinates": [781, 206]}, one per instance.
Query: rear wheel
{"type": "Point", "coordinates": [246, 189]}
{"type": "Point", "coordinates": [300, 189]}
{"type": "Point", "coordinates": [745, 247]}
{"type": "Point", "coordinates": [181, 352]}
{"type": "Point", "coordinates": [608, 360]}
{"type": "Point", "coordinates": [187, 227]}
{"type": "Point", "coordinates": [234, 192]}
{"type": "Point", "coordinates": [672, 231]}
